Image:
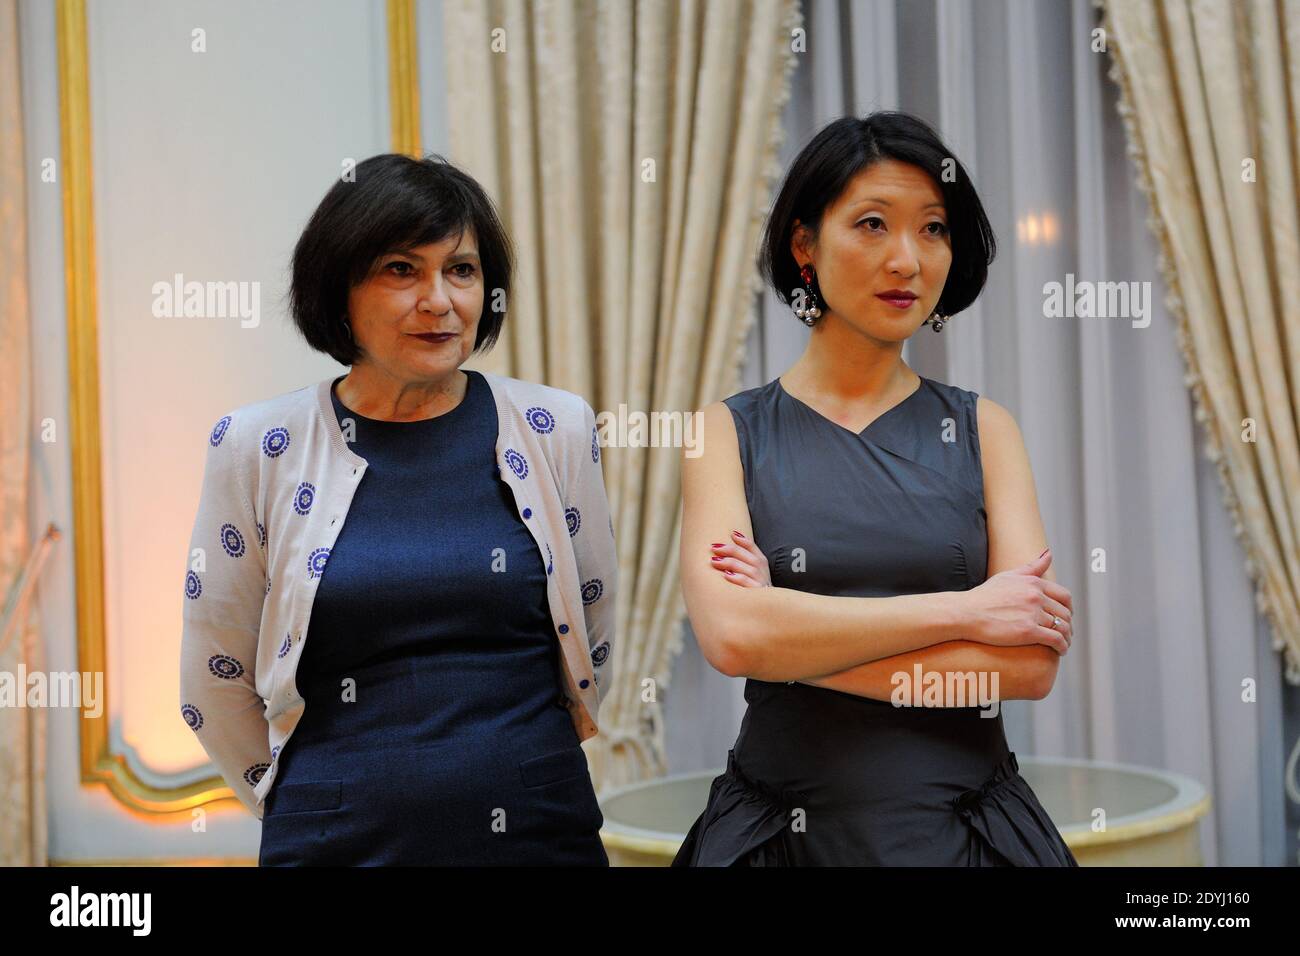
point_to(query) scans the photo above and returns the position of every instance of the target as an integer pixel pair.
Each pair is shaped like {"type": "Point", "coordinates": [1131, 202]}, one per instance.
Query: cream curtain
{"type": "Point", "coordinates": [632, 148]}
{"type": "Point", "coordinates": [1211, 101]}
{"type": "Point", "coordinates": [22, 729]}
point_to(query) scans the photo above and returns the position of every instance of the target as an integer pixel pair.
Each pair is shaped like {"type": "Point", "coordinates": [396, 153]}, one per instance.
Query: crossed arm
{"type": "Point", "coordinates": [872, 638]}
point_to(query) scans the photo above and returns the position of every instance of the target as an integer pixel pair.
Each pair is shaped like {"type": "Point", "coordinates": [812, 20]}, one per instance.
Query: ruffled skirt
{"type": "Point", "coordinates": [747, 823]}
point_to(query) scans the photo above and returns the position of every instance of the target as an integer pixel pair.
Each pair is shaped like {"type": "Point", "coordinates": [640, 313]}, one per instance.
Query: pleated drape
{"type": "Point", "coordinates": [1211, 102]}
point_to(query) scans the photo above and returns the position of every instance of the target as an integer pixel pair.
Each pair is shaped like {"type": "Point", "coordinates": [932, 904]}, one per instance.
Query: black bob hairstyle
{"type": "Point", "coordinates": [822, 171]}
{"type": "Point", "coordinates": [396, 203]}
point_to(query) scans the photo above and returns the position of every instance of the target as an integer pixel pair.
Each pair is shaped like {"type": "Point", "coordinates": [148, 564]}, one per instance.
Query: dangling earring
{"type": "Point", "coordinates": [812, 313]}
{"type": "Point", "coordinates": [935, 321]}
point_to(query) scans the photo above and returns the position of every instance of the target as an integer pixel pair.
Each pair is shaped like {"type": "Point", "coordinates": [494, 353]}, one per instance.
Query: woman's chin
{"type": "Point", "coordinates": [436, 366]}
{"type": "Point", "coordinates": [895, 328]}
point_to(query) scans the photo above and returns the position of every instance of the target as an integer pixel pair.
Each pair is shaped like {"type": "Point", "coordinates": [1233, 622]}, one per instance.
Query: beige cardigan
{"type": "Point", "coordinates": [255, 563]}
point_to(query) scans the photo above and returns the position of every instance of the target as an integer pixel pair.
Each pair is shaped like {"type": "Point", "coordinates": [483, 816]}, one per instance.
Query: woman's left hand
{"type": "Point", "coordinates": [741, 562]}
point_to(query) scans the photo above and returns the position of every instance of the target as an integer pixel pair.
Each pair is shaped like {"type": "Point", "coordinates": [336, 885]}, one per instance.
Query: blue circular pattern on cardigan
{"type": "Point", "coordinates": [219, 431]}
{"type": "Point", "coordinates": [275, 751]}
{"type": "Point", "coordinates": [595, 445]}
{"type": "Point", "coordinates": [573, 519]}
{"type": "Point", "coordinates": [225, 666]}
{"type": "Point", "coordinates": [254, 774]}
{"type": "Point", "coordinates": [303, 498]}
{"type": "Point", "coordinates": [193, 586]}
{"type": "Point", "coordinates": [316, 562]}
{"type": "Point", "coordinates": [592, 590]}
{"type": "Point", "coordinates": [541, 420]}
{"type": "Point", "coordinates": [192, 717]}
{"type": "Point", "coordinates": [600, 654]}
{"type": "Point", "coordinates": [275, 441]}
{"type": "Point", "coordinates": [550, 565]}
{"type": "Point", "coordinates": [232, 541]}
{"type": "Point", "coordinates": [261, 534]}
{"type": "Point", "coordinates": [518, 464]}
{"type": "Point", "coordinates": [284, 648]}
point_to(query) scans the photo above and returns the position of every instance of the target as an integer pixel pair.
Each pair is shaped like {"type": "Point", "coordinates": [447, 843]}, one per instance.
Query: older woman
{"type": "Point", "coordinates": [399, 627]}
{"type": "Point", "coordinates": [857, 535]}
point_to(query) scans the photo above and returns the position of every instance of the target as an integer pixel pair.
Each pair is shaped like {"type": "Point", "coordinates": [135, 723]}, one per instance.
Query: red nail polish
{"type": "Point", "coordinates": [716, 544]}
{"type": "Point", "coordinates": [715, 558]}
{"type": "Point", "coordinates": [738, 534]}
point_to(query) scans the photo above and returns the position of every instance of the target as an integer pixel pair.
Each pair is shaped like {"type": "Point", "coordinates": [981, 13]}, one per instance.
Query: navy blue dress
{"type": "Point", "coordinates": [821, 777]}
{"type": "Point", "coordinates": [434, 730]}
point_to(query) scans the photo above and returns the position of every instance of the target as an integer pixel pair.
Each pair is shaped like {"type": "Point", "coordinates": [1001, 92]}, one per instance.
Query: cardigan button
{"type": "Point", "coordinates": [564, 629]}
{"type": "Point", "coordinates": [583, 683]}
{"type": "Point", "coordinates": [528, 513]}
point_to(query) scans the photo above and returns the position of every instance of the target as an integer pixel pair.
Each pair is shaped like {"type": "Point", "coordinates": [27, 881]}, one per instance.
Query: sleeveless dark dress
{"type": "Point", "coordinates": [821, 777]}
{"type": "Point", "coordinates": [454, 748]}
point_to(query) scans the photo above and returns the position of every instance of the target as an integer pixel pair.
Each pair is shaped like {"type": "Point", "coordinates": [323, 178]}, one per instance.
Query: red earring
{"type": "Point", "coordinates": [811, 313]}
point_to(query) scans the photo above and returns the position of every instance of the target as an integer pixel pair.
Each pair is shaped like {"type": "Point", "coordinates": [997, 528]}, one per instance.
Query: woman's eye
{"type": "Point", "coordinates": [399, 265]}
{"type": "Point", "coordinates": [467, 267]}
{"type": "Point", "coordinates": [870, 220]}
{"type": "Point", "coordinates": [937, 229]}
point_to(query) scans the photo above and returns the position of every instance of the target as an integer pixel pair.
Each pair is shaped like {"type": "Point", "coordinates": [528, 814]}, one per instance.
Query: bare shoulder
{"type": "Point", "coordinates": [718, 415]}
{"type": "Point", "coordinates": [1007, 472]}
{"type": "Point", "coordinates": [1001, 443]}
{"type": "Point", "coordinates": [718, 441]}
{"type": "Point", "coordinates": [994, 420]}
{"type": "Point", "coordinates": [713, 483]}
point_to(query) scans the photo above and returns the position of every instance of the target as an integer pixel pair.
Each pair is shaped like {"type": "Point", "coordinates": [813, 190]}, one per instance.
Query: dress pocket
{"type": "Point", "coordinates": [567, 764]}
{"type": "Point", "coordinates": [306, 797]}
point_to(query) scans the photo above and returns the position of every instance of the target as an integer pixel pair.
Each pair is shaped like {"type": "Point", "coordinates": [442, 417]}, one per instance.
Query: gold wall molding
{"type": "Point", "coordinates": [99, 764]}
{"type": "Point", "coordinates": [403, 77]}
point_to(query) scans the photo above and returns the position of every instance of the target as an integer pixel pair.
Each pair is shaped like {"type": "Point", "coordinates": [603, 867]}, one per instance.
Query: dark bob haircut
{"type": "Point", "coordinates": [822, 171]}
{"type": "Point", "coordinates": [396, 203]}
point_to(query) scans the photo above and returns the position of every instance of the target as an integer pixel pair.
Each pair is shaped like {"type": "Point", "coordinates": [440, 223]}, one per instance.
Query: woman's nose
{"type": "Point", "coordinates": [903, 259]}
{"type": "Point", "coordinates": [434, 297]}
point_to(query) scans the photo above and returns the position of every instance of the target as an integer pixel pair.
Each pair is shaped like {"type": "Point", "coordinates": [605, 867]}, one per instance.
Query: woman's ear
{"type": "Point", "coordinates": [801, 243]}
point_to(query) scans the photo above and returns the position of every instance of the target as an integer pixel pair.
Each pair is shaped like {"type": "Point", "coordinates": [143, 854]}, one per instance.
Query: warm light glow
{"type": "Point", "coordinates": [1034, 228]}
{"type": "Point", "coordinates": [1050, 228]}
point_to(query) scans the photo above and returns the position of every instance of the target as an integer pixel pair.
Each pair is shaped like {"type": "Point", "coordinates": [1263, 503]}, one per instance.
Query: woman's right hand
{"type": "Point", "coordinates": [1016, 606]}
